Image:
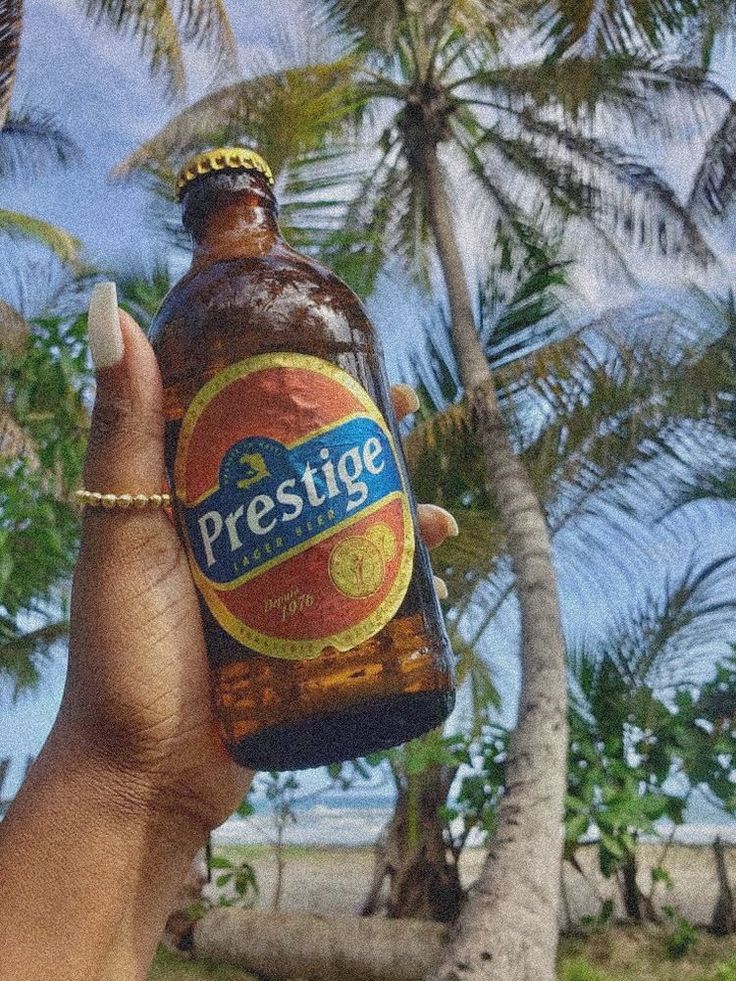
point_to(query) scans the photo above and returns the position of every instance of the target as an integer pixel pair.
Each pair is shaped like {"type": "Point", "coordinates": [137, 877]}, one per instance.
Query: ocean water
{"type": "Point", "coordinates": [357, 819]}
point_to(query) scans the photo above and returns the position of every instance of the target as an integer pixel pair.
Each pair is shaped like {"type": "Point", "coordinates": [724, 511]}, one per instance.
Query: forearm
{"type": "Point", "coordinates": [88, 870]}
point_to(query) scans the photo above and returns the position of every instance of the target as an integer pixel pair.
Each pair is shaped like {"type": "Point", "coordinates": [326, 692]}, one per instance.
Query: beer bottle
{"type": "Point", "coordinates": [290, 493]}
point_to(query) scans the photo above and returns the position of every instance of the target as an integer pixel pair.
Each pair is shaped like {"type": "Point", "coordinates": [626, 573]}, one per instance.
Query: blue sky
{"type": "Point", "coordinates": [98, 87]}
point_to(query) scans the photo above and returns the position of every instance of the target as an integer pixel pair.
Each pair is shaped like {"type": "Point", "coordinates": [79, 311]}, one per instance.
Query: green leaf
{"type": "Point", "coordinates": [220, 862]}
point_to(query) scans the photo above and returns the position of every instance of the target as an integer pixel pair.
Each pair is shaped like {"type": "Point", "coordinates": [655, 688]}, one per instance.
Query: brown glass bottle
{"type": "Point", "coordinates": [251, 300]}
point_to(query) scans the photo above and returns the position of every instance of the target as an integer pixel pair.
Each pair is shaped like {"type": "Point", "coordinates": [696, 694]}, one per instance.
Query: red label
{"type": "Point", "coordinates": [298, 527]}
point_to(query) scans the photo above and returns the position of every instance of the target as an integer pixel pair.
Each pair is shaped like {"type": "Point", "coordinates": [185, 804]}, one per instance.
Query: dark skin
{"type": "Point", "coordinates": [134, 775]}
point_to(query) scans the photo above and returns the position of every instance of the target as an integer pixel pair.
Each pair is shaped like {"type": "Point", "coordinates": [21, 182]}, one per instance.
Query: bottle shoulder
{"type": "Point", "coordinates": [271, 290]}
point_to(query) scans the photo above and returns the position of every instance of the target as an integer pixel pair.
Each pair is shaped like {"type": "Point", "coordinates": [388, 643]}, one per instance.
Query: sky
{"type": "Point", "coordinates": [98, 87]}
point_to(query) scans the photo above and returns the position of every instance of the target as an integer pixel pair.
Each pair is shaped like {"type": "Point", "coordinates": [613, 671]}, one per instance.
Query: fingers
{"type": "Point", "coordinates": [436, 524]}
{"type": "Point", "coordinates": [404, 400]}
{"type": "Point", "coordinates": [440, 587]}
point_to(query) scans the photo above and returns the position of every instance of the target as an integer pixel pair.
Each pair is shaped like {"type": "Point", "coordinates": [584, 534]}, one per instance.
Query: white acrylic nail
{"type": "Point", "coordinates": [105, 336]}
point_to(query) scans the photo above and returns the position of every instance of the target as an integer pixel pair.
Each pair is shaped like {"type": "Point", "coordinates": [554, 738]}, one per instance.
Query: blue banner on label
{"type": "Point", "coordinates": [272, 500]}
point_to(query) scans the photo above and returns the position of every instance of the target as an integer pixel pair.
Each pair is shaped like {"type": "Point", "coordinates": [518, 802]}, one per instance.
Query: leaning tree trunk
{"type": "Point", "coordinates": [412, 853]}
{"type": "Point", "coordinates": [318, 948]}
{"type": "Point", "coordinates": [508, 928]}
{"type": "Point", "coordinates": [11, 21]}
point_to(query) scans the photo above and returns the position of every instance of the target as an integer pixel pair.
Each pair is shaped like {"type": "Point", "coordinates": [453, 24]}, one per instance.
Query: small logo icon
{"type": "Point", "coordinates": [356, 567]}
{"type": "Point", "coordinates": [255, 469]}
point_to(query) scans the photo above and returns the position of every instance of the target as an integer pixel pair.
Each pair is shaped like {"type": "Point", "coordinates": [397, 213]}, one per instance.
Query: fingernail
{"type": "Point", "coordinates": [411, 397]}
{"type": "Point", "coordinates": [440, 587]}
{"type": "Point", "coordinates": [105, 336]}
{"type": "Point", "coordinates": [452, 529]}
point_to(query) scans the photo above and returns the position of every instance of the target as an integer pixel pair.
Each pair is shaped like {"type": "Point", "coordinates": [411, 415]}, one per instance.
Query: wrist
{"type": "Point", "coordinates": [90, 866]}
{"type": "Point", "coordinates": [120, 797]}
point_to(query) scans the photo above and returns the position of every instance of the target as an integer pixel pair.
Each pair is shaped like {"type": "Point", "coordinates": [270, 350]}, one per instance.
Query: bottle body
{"type": "Point", "coordinates": [323, 633]}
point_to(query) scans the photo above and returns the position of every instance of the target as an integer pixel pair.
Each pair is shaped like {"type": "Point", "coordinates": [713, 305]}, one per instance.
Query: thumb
{"type": "Point", "coordinates": [125, 453]}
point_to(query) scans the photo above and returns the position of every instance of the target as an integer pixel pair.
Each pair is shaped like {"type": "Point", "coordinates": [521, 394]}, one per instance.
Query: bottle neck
{"type": "Point", "coordinates": [230, 214]}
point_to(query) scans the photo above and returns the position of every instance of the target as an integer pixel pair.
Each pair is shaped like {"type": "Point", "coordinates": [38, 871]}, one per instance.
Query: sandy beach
{"type": "Point", "coordinates": [336, 880]}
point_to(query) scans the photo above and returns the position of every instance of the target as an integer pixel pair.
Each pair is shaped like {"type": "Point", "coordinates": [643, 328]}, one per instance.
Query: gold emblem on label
{"type": "Point", "coordinates": [255, 469]}
{"type": "Point", "coordinates": [382, 536]}
{"type": "Point", "coordinates": [356, 567]}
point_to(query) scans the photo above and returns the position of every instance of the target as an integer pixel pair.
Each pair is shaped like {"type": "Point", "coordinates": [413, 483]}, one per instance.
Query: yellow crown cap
{"type": "Point", "coordinates": [224, 158]}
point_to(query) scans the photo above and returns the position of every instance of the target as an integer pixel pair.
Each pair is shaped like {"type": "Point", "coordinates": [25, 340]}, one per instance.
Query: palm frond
{"type": "Point", "coordinates": [560, 174]}
{"type": "Point", "coordinates": [595, 27]}
{"type": "Point", "coordinates": [476, 676]}
{"type": "Point", "coordinates": [714, 188]}
{"type": "Point", "coordinates": [384, 23]}
{"type": "Point", "coordinates": [11, 23]}
{"type": "Point", "coordinates": [644, 419]}
{"type": "Point", "coordinates": [384, 218]}
{"type": "Point", "coordinates": [519, 335]}
{"type": "Point", "coordinates": [163, 30]}
{"type": "Point", "coordinates": [153, 23]}
{"type": "Point", "coordinates": [577, 86]}
{"type": "Point", "coordinates": [709, 487]}
{"type": "Point", "coordinates": [670, 637]}
{"type": "Point", "coordinates": [713, 22]}
{"type": "Point", "coordinates": [64, 245]}
{"type": "Point", "coordinates": [32, 141]}
{"type": "Point", "coordinates": [285, 114]}
{"type": "Point", "coordinates": [315, 190]}
{"type": "Point", "coordinates": [206, 24]}
{"type": "Point", "coordinates": [142, 293]}
{"type": "Point", "coordinates": [378, 22]}
{"type": "Point", "coordinates": [612, 424]}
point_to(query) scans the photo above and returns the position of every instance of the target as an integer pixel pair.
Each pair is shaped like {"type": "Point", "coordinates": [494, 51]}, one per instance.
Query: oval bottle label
{"type": "Point", "coordinates": [298, 527]}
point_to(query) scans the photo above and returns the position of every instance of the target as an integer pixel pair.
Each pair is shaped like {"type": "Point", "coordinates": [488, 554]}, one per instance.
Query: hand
{"type": "Point", "coordinates": [137, 694]}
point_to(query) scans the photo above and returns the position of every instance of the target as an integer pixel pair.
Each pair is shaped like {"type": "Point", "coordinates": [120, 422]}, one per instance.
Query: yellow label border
{"type": "Point", "coordinates": [344, 640]}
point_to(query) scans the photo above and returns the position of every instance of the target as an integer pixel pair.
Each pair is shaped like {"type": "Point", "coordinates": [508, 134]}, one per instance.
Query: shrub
{"type": "Point", "coordinates": [681, 936]}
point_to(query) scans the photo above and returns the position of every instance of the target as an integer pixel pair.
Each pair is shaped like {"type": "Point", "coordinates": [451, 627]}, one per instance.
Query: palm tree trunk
{"type": "Point", "coordinates": [11, 21]}
{"type": "Point", "coordinates": [508, 928]}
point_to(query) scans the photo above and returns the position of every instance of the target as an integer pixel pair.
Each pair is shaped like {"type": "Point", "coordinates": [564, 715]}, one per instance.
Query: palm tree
{"type": "Point", "coordinates": [163, 29]}
{"type": "Point", "coordinates": [31, 139]}
{"type": "Point", "coordinates": [520, 134]}
{"type": "Point", "coordinates": [27, 139]}
{"type": "Point", "coordinates": [614, 420]}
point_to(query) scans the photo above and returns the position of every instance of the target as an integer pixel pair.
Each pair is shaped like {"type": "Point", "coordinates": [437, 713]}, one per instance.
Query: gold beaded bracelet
{"type": "Point", "coordinates": [95, 499]}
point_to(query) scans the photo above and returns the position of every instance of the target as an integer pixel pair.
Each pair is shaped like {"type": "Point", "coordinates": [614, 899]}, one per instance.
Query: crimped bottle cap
{"type": "Point", "coordinates": [224, 158]}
